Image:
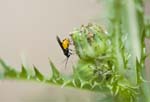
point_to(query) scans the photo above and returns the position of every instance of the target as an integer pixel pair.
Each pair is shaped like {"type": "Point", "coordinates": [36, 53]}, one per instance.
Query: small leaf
{"type": "Point", "coordinates": [3, 64]}
{"type": "Point", "coordinates": [38, 74]}
{"type": "Point", "coordinates": [23, 73]}
{"type": "Point", "coordinates": [8, 71]}
{"type": "Point", "coordinates": [55, 72]}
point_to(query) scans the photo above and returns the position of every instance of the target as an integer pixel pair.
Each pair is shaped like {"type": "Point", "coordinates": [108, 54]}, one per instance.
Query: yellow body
{"type": "Point", "coordinates": [65, 43]}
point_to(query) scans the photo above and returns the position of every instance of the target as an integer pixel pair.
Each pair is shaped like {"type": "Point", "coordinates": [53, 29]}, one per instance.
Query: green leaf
{"type": "Point", "coordinates": [56, 78]}
{"type": "Point", "coordinates": [3, 64]}
{"type": "Point", "coordinates": [55, 72]}
{"type": "Point", "coordinates": [8, 71]}
{"type": "Point", "coordinates": [38, 74]}
{"type": "Point", "coordinates": [23, 73]}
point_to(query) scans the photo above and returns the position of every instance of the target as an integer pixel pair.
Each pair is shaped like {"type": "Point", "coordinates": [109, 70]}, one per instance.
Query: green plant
{"type": "Point", "coordinates": [110, 62]}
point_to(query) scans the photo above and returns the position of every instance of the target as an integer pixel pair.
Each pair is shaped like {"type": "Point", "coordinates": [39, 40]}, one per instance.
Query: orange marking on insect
{"type": "Point", "coordinates": [66, 43]}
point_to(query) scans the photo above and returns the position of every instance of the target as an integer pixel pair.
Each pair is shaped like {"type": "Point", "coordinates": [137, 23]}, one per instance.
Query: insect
{"type": "Point", "coordinates": [64, 44]}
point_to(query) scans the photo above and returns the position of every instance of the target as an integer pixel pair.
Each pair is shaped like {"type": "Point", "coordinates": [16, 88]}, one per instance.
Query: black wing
{"type": "Point", "coordinates": [60, 43]}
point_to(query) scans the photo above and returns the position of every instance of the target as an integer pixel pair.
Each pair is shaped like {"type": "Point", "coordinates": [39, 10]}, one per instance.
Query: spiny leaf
{"type": "Point", "coordinates": [56, 78]}
{"type": "Point", "coordinates": [55, 72]}
{"type": "Point", "coordinates": [23, 73]}
{"type": "Point", "coordinates": [3, 64]}
{"type": "Point", "coordinates": [38, 74]}
{"type": "Point", "coordinates": [8, 71]}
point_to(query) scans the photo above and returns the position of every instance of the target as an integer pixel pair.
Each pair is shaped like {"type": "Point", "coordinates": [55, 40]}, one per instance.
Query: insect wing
{"type": "Point", "coordinates": [60, 43]}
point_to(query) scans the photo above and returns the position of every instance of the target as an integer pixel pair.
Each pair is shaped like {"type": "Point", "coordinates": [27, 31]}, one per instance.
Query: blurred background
{"type": "Point", "coordinates": [28, 30]}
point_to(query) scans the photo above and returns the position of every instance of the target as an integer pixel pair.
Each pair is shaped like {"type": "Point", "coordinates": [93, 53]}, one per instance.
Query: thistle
{"type": "Point", "coordinates": [98, 63]}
